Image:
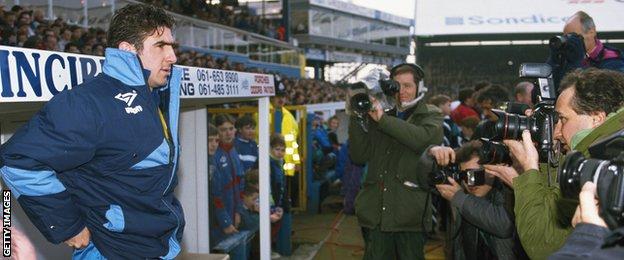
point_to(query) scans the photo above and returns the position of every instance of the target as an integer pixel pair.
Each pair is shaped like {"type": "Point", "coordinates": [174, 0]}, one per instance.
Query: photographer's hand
{"type": "Point", "coordinates": [443, 155]}
{"type": "Point", "coordinates": [587, 211]}
{"type": "Point", "coordinates": [448, 191]}
{"type": "Point", "coordinates": [524, 152]}
{"type": "Point", "coordinates": [377, 111]}
{"type": "Point", "coordinates": [505, 173]}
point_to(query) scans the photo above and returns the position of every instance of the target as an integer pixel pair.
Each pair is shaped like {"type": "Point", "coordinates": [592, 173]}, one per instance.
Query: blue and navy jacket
{"type": "Point", "coordinates": [278, 184]}
{"type": "Point", "coordinates": [96, 156]}
{"type": "Point", "coordinates": [247, 152]}
{"type": "Point", "coordinates": [226, 191]}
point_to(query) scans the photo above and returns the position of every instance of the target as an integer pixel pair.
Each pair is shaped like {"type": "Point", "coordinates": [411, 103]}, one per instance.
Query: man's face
{"type": "Point", "coordinates": [334, 124]}
{"type": "Point", "coordinates": [408, 87]}
{"type": "Point", "coordinates": [446, 108]}
{"type": "Point", "coordinates": [278, 151]}
{"type": "Point", "coordinates": [574, 26]}
{"type": "Point", "coordinates": [250, 200]}
{"type": "Point", "coordinates": [278, 101]}
{"type": "Point", "coordinates": [213, 144]}
{"type": "Point", "coordinates": [480, 190]}
{"type": "Point", "coordinates": [248, 132]}
{"type": "Point", "coordinates": [157, 56]}
{"type": "Point", "coordinates": [24, 19]}
{"type": "Point", "coordinates": [226, 132]}
{"type": "Point", "coordinates": [570, 122]}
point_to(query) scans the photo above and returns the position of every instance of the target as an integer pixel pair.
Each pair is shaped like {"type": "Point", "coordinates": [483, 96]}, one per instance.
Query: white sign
{"type": "Point", "coordinates": [444, 17]}
{"type": "Point", "coordinates": [29, 75]}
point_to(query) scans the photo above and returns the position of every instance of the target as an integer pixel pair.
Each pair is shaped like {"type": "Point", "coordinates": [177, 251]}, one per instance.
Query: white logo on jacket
{"type": "Point", "coordinates": [128, 98]}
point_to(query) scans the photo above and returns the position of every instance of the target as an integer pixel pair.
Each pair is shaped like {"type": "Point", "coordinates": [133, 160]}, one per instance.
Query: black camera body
{"type": "Point", "coordinates": [605, 168]}
{"type": "Point", "coordinates": [472, 177]}
{"type": "Point", "coordinates": [492, 152]}
{"type": "Point", "coordinates": [541, 123]}
{"type": "Point", "coordinates": [560, 41]}
{"type": "Point", "coordinates": [361, 103]}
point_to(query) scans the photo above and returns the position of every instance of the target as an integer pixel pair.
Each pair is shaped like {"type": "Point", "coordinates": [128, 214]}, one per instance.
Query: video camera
{"type": "Point", "coordinates": [541, 123]}
{"type": "Point", "coordinates": [378, 85]}
{"type": "Point", "coordinates": [559, 42]}
{"type": "Point", "coordinates": [605, 168]}
{"type": "Point", "coordinates": [472, 177]}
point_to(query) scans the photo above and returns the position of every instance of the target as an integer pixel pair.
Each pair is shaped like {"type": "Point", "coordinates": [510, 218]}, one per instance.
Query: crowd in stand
{"type": "Point", "coordinates": [228, 13]}
{"type": "Point", "coordinates": [26, 28]}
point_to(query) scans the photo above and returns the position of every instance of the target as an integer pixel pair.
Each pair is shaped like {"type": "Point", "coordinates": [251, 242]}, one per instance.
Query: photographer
{"type": "Point", "coordinates": [485, 227]}
{"type": "Point", "coordinates": [589, 109]}
{"type": "Point", "coordinates": [392, 206]}
{"type": "Point", "coordinates": [579, 47]}
{"type": "Point", "coordinates": [591, 238]}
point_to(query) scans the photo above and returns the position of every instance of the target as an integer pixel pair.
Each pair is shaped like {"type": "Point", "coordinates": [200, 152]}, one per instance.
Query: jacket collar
{"type": "Point", "coordinates": [125, 67]}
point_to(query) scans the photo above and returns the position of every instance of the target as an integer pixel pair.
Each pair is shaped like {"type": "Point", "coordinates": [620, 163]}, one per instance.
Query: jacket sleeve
{"type": "Point", "coordinates": [416, 137]}
{"type": "Point", "coordinates": [489, 216]}
{"type": "Point", "coordinates": [60, 137]}
{"type": "Point", "coordinates": [216, 191]}
{"type": "Point", "coordinates": [584, 243]}
{"type": "Point", "coordinates": [360, 146]}
{"type": "Point", "coordinates": [537, 220]}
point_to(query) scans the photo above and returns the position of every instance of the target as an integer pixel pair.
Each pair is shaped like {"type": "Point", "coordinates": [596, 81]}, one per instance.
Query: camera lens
{"type": "Point", "coordinates": [510, 126]}
{"type": "Point", "coordinates": [389, 87]}
{"type": "Point", "coordinates": [360, 103]}
{"type": "Point", "coordinates": [493, 153]}
{"type": "Point", "coordinates": [576, 170]}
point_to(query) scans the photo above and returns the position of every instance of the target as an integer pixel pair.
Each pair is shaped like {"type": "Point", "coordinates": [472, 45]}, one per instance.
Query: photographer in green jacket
{"type": "Point", "coordinates": [393, 207]}
{"type": "Point", "coordinates": [589, 108]}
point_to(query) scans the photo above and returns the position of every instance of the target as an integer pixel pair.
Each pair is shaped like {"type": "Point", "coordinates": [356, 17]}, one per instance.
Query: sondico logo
{"type": "Point", "coordinates": [128, 98]}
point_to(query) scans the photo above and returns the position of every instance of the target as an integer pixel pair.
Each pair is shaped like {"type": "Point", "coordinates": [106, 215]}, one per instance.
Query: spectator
{"type": "Point", "coordinates": [452, 136]}
{"type": "Point", "coordinates": [466, 106]}
{"type": "Point", "coordinates": [281, 230]}
{"type": "Point", "coordinates": [244, 143]}
{"type": "Point", "coordinates": [522, 93]}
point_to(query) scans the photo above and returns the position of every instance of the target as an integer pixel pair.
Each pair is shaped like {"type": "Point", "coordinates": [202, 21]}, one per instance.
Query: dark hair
{"type": "Point", "coordinates": [496, 93]}
{"type": "Point", "coordinates": [464, 94]}
{"type": "Point", "coordinates": [250, 190]}
{"type": "Point", "coordinates": [595, 90]}
{"type": "Point", "coordinates": [135, 22]}
{"type": "Point", "coordinates": [212, 130]}
{"type": "Point", "coordinates": [467, 151]}
{"type": "Point", "coordinates": [481, 85]}
{"type": "Point", "coordinates": [224, 118]}
{"type": "Point", "coordinates": [438, 100]}
{"type": "Point", "coordinates": [245, 120]}
{"type": "Point", "coordinates": [251, 177]}
{"type": "Point", "coordinates": [277, 140]}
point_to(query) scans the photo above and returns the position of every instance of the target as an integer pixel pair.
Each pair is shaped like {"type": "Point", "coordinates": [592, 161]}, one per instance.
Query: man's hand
{"type": "Point", "coordinates": [448, 191]}
{"type": "Point", "coordinates": [505, 173]}
{"type": "Point", "coordinates": [230, 230]}
{"type": "Point", "coordinates": [377, 111]}
{"type": "Point", "coordinates": [237, 219]}
{"type": "Point", "coordinates": [587, 211]}
{"type": "Point", "coordinates": [443, 155]}
{"type": "Point", "coordinates": [524, 152]}
{"type": "Point", "coordinates": [81, 240]}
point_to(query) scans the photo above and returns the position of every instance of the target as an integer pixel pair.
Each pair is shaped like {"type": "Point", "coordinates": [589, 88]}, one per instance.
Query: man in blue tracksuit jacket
{"type": "Point", "coordinates": [96, 167]}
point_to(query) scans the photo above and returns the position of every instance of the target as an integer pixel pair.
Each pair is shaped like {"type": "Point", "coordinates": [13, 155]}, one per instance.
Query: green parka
{"type": "Point", "coordinates": [393, 196]}
{"type": "Point", "coordinates": [542, 214]}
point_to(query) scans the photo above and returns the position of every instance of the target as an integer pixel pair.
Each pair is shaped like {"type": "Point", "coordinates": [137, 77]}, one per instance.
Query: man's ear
{"type": "Point", "coordinates": [598, 118]}
{"type": "Point", "coordinates": [126, 46]}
